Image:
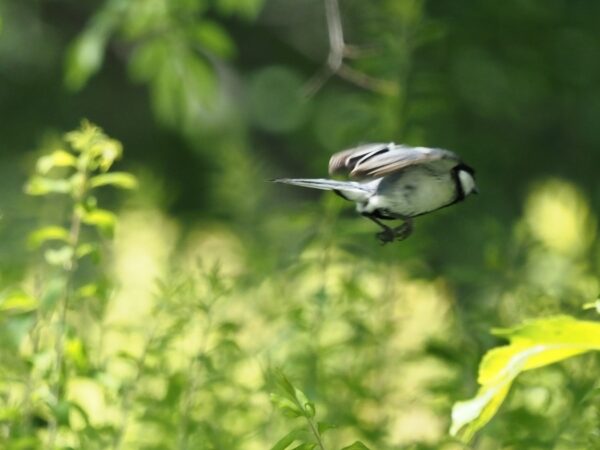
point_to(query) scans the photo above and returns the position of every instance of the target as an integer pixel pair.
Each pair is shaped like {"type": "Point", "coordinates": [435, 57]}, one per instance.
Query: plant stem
{"type": "Point", "coordinates": [70, 267]}
{"type": "Point", "coordinates": [315, 431]}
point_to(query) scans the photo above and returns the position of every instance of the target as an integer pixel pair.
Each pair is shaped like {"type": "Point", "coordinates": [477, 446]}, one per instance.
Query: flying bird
{"type": "Point", "coordinates": [396, 182]}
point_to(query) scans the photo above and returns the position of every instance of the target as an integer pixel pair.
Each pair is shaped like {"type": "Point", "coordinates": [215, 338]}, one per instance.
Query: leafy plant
{"type": "Point", "coordinates": [294, 403]}
{"type": "Point", "coordinates": [72, 171]}
{"type": "Point", "coordinates": [533, 344]}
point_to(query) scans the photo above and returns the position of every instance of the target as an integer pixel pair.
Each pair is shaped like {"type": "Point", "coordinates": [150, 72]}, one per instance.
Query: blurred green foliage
{"type": "Point", "coordinates": [161, 326]}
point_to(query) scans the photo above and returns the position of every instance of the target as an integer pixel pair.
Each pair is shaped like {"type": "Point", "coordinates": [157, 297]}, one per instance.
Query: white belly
{"type": "Point", "coordinates": [413, 193]}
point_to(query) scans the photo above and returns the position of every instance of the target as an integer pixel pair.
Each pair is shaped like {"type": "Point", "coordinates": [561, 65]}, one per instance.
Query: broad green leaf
{"type": "Point", "coordinates": [38, 185]}
{"type": "Point", "coordinates": [119, 179]}
{"type": "Point", "coordinates": [356, 446]}
{"type": "Point", "coordinates": [51, 233]}
{"type": "Point", "coordinates": [289, 439]}
{"type": "Point", "coordinates": [532, 345]}
{"type": "Point", "coordinates": [58, 158]}
{"type": "Point", "coordinates": [18, 302]}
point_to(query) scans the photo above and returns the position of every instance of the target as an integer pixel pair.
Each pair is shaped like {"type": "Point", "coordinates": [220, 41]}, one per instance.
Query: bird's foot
{"type": "Point", "coordinates": [387, 235]}
{"type": "Point", "coordinates": [394, 234]}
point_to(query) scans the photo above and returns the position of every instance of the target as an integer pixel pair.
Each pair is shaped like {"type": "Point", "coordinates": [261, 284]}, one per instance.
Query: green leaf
{"type": "Point", "coordinates": [88, 249]}
{"type": "Point", "coordinates": [532, 345]}
{"type": "Point", "coordinates": [305, 446]}
{"type": "Point", "coordinates": [100, 218]}
{"type": "Point", "coordinates": [324, 427]}
{"type": "Point", "coordinates": [213, 38]}
{"type": "Point", "coordinates": [122, 180]}
{"type": "Point", "coordinates": [285, 384]}
{"type": "Point", "coordinates": [59, 257]}
{"type": "Point", "coordinates": [43, 235]}
{"type": "Point", "coordinates": [356, 446]}
{"type": "Point", "coordinates": [87, 290]}
{"type": "Point", "coordinates": [85, 56]}
{"type": "Point", "coordinates": [58, 158]}
{"type": "Point", "coordinates": [289, 439]}
{"type": "Point", "coordinates": [38, 185]}
{"type": "Point", "coordinates": [18, 302]}
{"type": "Point", "coordinates": [286, 405]}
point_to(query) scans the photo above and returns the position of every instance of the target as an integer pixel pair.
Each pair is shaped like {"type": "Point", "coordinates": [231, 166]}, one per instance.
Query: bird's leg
{"type": "Point", "coordinates": [389, 234]}
{"type": "Point", "coordinates": [403, 231]}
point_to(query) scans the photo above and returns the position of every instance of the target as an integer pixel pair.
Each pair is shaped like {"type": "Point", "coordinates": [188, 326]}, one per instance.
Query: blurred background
{"type": "Point", "coordinates": [216, 276]}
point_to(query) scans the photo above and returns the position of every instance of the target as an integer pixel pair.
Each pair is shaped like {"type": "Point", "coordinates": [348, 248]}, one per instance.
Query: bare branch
{"type": "Point", "coordinates": [335, 60]}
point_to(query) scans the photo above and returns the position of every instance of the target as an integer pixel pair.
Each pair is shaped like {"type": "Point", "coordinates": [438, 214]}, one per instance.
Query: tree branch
{"type": "Point", "coordinates": [335, 60]}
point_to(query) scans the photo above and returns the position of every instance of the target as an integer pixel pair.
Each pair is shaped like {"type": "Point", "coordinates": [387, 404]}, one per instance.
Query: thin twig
{"type": "Point", "coordinates": [334, 65]}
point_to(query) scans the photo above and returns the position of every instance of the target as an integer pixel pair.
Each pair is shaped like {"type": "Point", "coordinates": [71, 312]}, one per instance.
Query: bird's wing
{"type": "Point", "coordinates": [377, 160]}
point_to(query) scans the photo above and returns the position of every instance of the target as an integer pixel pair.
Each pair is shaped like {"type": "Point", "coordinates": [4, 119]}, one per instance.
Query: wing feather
{"type": "Point", "coordinates": [377, 160]}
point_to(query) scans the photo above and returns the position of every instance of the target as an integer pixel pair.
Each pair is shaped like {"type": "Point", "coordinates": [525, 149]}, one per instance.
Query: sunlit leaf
{"type": "Point", "coordinates": [107, 152]}
{"type": "Point", "coordinates": [51, 233]}
{"type": "Point", "coordinates": [58, 158]}
{"type": "Point", "coordinates": [83, 137]}
{"type": "Point", "coordinates": [87, 290]}
{"type": "Point", "coordinates": [42, 186]}
{"type": "Point", "coordinates": [59, 256]}
{"type": "Point", "coordinates": [119, 179]}
{"type": "Point", "coordinates": [18, 302]}
{"type": "Point", "coordinates": [532, 345]}
{"type": "Point", "coordinates": [88, 249]}
{"type": "Point", "coordinates": [101, 218]}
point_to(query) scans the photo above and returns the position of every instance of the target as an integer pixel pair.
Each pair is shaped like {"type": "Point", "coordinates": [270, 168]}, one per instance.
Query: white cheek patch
{"type": "Point", "coordinates": [466, 181]}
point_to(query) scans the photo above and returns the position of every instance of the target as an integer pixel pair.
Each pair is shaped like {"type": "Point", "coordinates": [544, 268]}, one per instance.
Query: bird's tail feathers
{"type": "Point", "coordinates": [348, 189]}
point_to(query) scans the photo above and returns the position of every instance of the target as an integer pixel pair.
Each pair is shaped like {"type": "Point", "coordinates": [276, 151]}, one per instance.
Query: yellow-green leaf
{"type": "Point", "coordinates": [58, 158]}
{"type": "Point", "coordinates": [532, 345]}
{"type": "Point", "coordinates": [119, 179]}
{"type": "Point", "coordinates": [101, 218]}
{"type": "Point", "coordinates": [42, 186]}
{"type": "Point", "coordinates": [51, 233]}
{"type": "Point", "coordinates": [18, 302]}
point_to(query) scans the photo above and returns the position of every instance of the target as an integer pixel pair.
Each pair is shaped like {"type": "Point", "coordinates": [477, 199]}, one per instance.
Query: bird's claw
{"type": "Point", "coordinates": [394, 234]}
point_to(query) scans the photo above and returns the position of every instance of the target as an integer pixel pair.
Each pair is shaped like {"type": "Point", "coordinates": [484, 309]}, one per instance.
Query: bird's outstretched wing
{"type": "Point", "coordinates": [377, 160]}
